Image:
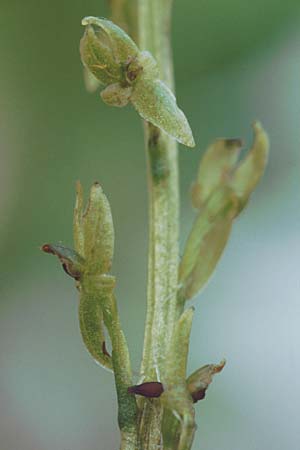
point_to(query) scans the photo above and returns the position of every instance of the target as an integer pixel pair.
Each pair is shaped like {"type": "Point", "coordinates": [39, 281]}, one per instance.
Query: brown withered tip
{"type": "Point", "coordinates": [220, 366]}
{"type": "Point", "coordinates": [47, 248]}
{"type": "Point", "coordinates": [234, 142]}
{"type": "Point", "coordinates": [149, 389]}
{"type": "Point", "coordinates": [104, 349]}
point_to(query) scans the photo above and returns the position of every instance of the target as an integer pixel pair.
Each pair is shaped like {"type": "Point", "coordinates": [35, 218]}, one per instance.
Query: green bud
{"type": "Point", "coordinates": [250, 170]}
{"type": "Point", "coordinates": [98, 57]}
{"type": "Point", "coordinates": [106, 50]}
{"type": "Point", "coordinates": [120, 44]}
{"type": "Point", "coordinates": [198, 381]}
{"type": "Point", "coordinates": [73, 264]}
{"type": "Point", "coordinates": [215, 168]}
{"type": "Point", "coordinates": [156, 103]}
{"type": "Point", "coordinates": [93, 230]}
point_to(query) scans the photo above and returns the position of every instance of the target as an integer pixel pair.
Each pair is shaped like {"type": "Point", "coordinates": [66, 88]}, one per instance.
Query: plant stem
{"type": "Point", "coordinates": [162, 308]}
{"type": "Point", "coordinates": [127, 417]}
{"type": "Point", "coordinates": [97, 291]}
{"type": "Point", "coordinates": [162, 170]}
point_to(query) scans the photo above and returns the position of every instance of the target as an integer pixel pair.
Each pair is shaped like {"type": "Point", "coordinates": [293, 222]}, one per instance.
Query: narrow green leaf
{"type": "Point", "coordinates": [215, 168]}
{"type": "Point", "coordinates": [155, 102]}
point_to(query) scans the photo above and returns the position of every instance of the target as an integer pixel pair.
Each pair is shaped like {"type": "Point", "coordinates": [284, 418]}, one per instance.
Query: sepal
{"type": "Point", "coordinates": [215, 169]}
{"type": "Point", "coordinates": [93, 230]}
{"type": "Point", "coordinates": [156, 103]}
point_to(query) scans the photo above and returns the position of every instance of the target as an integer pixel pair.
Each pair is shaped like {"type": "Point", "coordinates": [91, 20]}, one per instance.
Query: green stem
{"type": "Point", "coordinates": [124, 14]}
{"type": "Point", "coordinates": [127, 414]}
{"type": "Point", "coordinates": [154, 25]}
{"type": "Point", "coordinates": [97, 292]}
{"type": "Point", "coordinates": [162, 308]}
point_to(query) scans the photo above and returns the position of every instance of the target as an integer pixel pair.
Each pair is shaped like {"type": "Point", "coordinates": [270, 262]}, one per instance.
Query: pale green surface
{"type": "Point", "coordinates": [131, 75]}
{"type": "Point", "coordinates": [220, 199]}
{"type": "Point", "coordinates": [233, 65]}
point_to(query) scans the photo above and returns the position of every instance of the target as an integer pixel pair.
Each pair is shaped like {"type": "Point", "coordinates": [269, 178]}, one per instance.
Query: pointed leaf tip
{"type": "Point", "coordinates": [156, 103]}
{"type": "Point", "coordinates": [250, 170]}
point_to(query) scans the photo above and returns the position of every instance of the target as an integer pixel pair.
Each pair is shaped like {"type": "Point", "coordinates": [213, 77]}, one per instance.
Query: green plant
{"type": "Point", "coordinates": [160, 410]}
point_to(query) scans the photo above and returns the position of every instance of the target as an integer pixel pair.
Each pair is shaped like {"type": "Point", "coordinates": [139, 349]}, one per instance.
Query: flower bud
{"type": "Point", "coordinates": [93, 230]}
{"type": "Point", "coordinates": [105, 50]}
{"type": "Point", "coordinates": [131, 75]}
{"type": "Point", "coordinates": [121, 45]}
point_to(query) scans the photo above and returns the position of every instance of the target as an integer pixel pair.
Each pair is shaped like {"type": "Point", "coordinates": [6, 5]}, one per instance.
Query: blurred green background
{"type": "Point", "coordinates": [235, 61]}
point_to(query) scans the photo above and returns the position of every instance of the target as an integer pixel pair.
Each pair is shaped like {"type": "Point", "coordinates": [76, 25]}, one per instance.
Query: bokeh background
{"type": "Point", "coordinates": [235, 61]}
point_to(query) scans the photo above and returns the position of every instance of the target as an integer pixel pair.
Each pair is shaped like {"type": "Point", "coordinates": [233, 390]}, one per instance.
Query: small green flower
{"type": "Point", "coordinates": [220, 193]}
{"type": "Point", "coordinates": [89, 265]}
{"type": "Point", "coordinates": [131, 75]}
{"type": "Point", "coordinates": [198, 381]}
